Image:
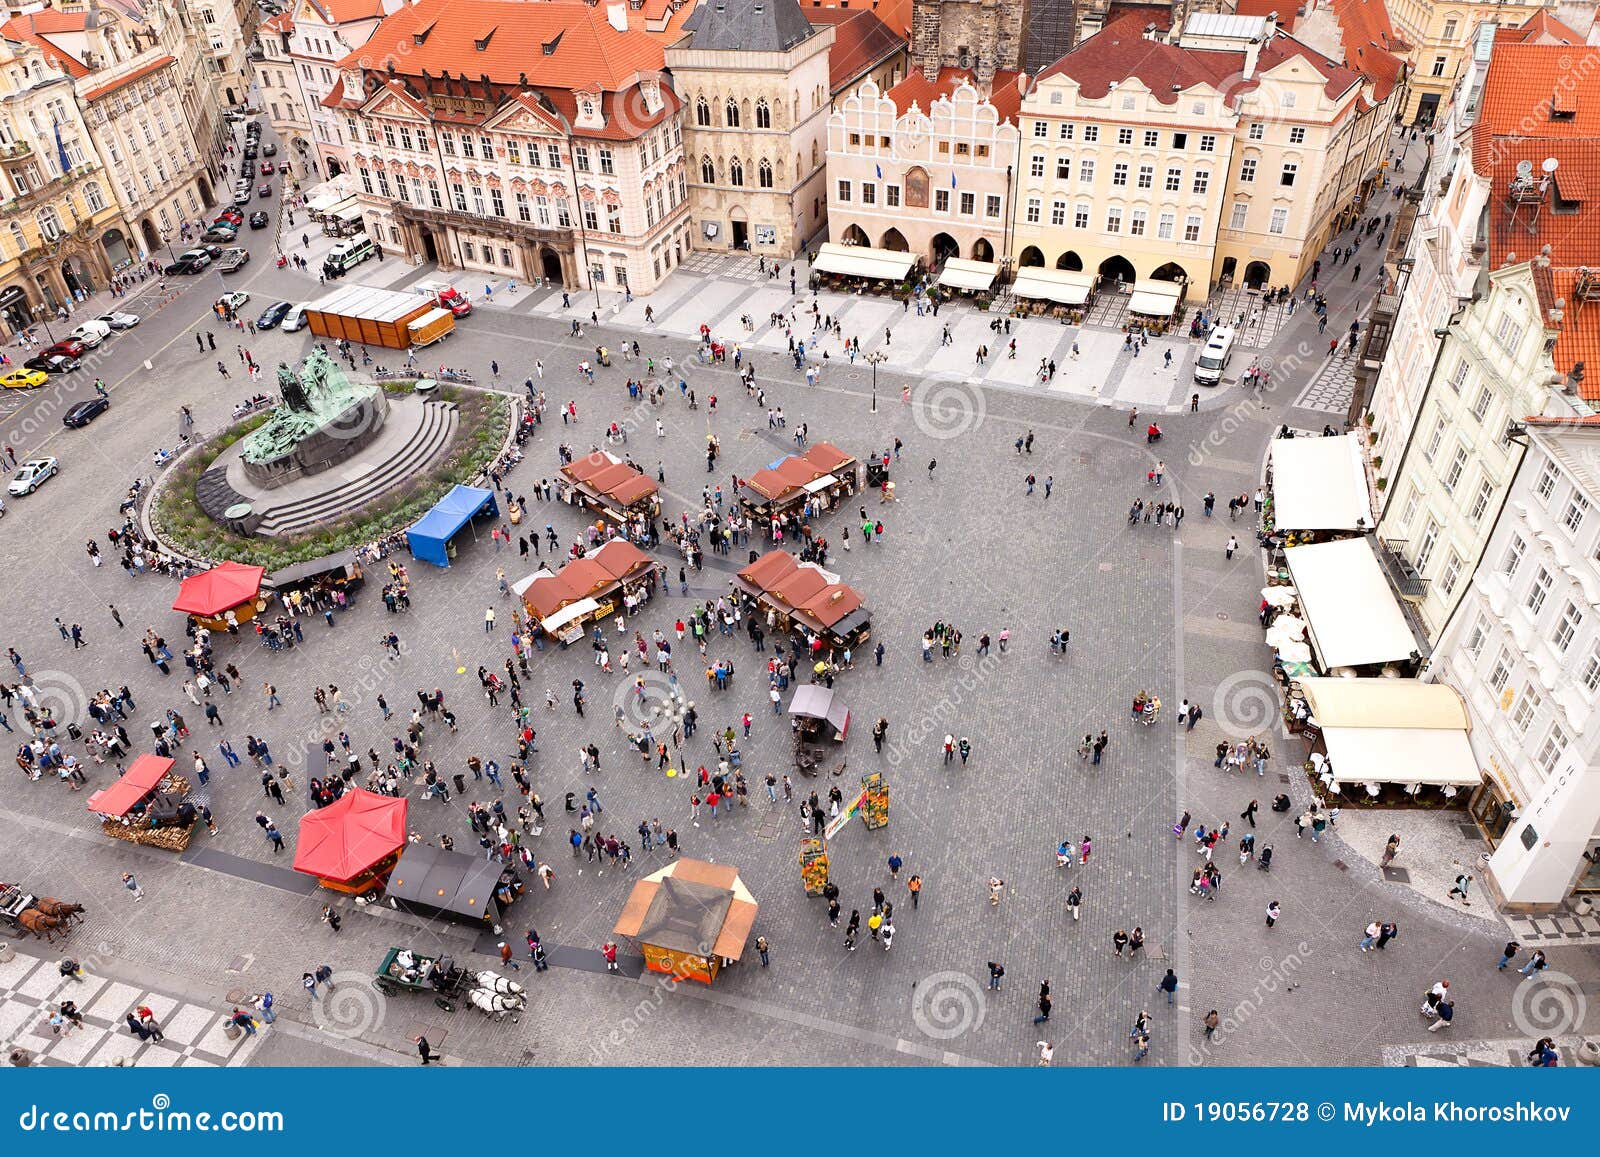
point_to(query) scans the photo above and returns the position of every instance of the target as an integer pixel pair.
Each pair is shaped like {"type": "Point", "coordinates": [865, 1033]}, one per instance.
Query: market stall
{"type": "Point", "coordinates": [430, 539]}
{"type": "Point", "coordinates": [1319, 484]}
{"type": "Point", "coordinates": [146, 806]}
{"type": "Point", "coordinates": [616, 577]}
{"type": "Point", "coordinates": [431, 882]}
{"type": "Point", "coordinates": [1061, 293]}
{"type": "Point", "coordinates": [335, 573]}
{"type": "Point", "coordinates": [351, 845]}
{"type": "Point", "coordinates": [804, 598]}
{"type": "Point", "coordinates": [604, 483]}
{"type": "Point", "coordinates": [824, 474]}
{"type": "Point", "coordinates": [1353, 618]}
{"type": "Point", "coordinates": [690, 919]}
{"type": "Point", "coordinates": [227, 594]}
{"type": "Point", "coordinates": [1388, 739]}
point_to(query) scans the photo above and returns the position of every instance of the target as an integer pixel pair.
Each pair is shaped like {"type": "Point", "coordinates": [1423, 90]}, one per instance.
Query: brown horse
{"type": "Point", "coordinates": [65, 909]}
{"type": "Point", "coordinates": [39, 924]}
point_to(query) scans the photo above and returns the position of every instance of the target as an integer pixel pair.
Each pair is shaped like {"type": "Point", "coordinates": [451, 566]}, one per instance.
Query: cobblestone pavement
{"type": "Point", "coordinates": [1332, 387]}
{"type": "Point", "coordinates": [1148, 607]}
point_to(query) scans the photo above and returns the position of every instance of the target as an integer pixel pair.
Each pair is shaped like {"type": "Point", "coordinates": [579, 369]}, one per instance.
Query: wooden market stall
{"type": "Point", "coordinates": [352, 844]}
{"type": "Point", "coordinates": [824, 471]}
{"type": "Point", "coordinates": [806, 599]}
{"type": "Point", "coordinates": [689, 919]}
{"type": "Point", "coordinates": [146, 806]}
{"type": "Point", "coordinates": [616, 576]}
{"type": "Point", "coordinates": [228, 593]}
{"type": "Point", "coordinates": [609, 486]}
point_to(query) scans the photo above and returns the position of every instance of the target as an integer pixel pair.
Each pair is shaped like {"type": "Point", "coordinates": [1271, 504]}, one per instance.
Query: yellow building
{"type": "Point", "coordinates": [61, 235]}
{"type": "Point", "coordinates": [1441, 34]}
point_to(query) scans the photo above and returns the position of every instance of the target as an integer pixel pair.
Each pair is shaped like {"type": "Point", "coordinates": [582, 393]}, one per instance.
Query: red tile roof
{"type": "Point", "coordinates": [1285, 10]}
{"type": "Point", "coordinates": [861, 42]}
{"type": "Point", "coordinates": [895, 14]}
{"type": "Point", "coordinates": [1371, 45]}
{"type": "Point", "coordinates": [1524, 84]}
{"type": "Point", "coordinates": [282, 22]}
{"type": "Point", "coordinates": [1006, 95]}
{"type": "Point", "coordinates": [139, 73]}
{"type": "Point", "coordinates": [1540, 28]}
{"type": "Point", "coordinates": [32, 30]}
{"type": "Point", "coordinates": [1120, 51]}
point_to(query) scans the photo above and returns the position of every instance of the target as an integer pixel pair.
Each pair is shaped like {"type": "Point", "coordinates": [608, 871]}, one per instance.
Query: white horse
{"type": "Point", "coordinates": [494, 982]}
{"type": "Point", "coordinates": [497, 1003]}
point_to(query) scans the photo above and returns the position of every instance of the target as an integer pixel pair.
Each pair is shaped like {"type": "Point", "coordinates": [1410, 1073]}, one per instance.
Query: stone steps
{"type": "Point", "coordinates": [433, 434]}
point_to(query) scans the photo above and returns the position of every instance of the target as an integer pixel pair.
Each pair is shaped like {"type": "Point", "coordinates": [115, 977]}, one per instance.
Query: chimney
{"type": "Point", "coordinates": [1252, 54]}
{"type": "Point", "coordinates": [617, 15]}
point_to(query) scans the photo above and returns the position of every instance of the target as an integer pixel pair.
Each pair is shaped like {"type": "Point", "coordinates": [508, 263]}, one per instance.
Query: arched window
{"type": "Point", "coordinates": [736, 172]}
{"type": "Point", "coordinates": [702, 112]}
{"type": "Point", "coordinates": [49, 223]}
{"type": "Point", "coordinates": [764, 174]}
{"type": "Point", "coordinates": [763, 114]}
{"type": "Point", "coordinates": [19, 238]}
{"type": "Point", "coordinates": [92, 194]}
{"type": "Point", "coordinates": [731, 114]}
{"type": "Point", "coordinates": [708, 171]}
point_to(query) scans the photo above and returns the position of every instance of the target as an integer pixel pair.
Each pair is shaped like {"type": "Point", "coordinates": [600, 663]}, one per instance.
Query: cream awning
{"type": "Point", "coordinates": [566, 614]}
{"type": "Point", "coordinates": [1155, 298]}
{"type": "Point", "coordinates": [959, 273]}
{"type": "Point", "coordinates": [1355, 619]}
{"type": "Point", "coordinates": [349, 211]}
{"type": "Point", "coordinates": [1063, 286]}
{"type": "Point", "coordinates": [861, 261]}
{"type": "Point", "coordinates": [1394, 731]}
{"type": "Point", "coordinates": [1319, 484]}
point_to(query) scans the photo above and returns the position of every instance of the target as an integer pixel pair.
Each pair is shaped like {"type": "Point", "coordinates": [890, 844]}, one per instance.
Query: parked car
{"type": "Point", "coordinates": [92, 333]}
{"type": "Point", "coordinates": [294, 320]}
{"type": "Point", "coordinates": [234, 300]}
{"type": "Point", "coordinates": [260, 220]}
{"type": "Point", "coordinates": [221, 234]}
{"type": "Point", "coordinates": [233, 259]}
{"type": "Point", "coordinates": [66, 348]}
{"type": "Point", "coordinates": [52, 364]}
{"type": "Point", "coordinates": [273, 314]}
{"type": "Point", "coordinates": [85, 412]}
{"type": "Point", "coordinates": [190, 261]}
{"type": "Point", "coordinates": [23, 379]}
{"type": "Point", "coordinates": [119, 320]}
{"type": "Point", "coordinates": [32, 474]}
{"type": "Point", "coordinates": [264, 191]}
{"type": "Point", "coordinates": [269, 150]}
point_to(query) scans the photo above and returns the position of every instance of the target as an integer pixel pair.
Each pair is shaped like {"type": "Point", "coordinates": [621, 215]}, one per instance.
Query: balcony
{"type": "Point", "coordinates": [16, 151]}
{"type": "Point", "coordinates": [1404, 577]}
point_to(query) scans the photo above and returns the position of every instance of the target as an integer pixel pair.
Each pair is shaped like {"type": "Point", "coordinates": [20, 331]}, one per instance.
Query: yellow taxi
{"type": "Point", "coordinates": [23, 379]}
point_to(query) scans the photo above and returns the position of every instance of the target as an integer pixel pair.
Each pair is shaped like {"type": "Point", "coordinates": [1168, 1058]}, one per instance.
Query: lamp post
{"type": "Point", "coordinates": [670, 712]}
{"type": "Point", "coordinates": [874, 359]}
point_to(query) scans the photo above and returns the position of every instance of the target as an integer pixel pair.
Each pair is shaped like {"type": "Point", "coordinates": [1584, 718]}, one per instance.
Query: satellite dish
{"type": "Point", "coordinates": [1524, 170]}
{"type": "Point", "coordinates": [1550, 165]}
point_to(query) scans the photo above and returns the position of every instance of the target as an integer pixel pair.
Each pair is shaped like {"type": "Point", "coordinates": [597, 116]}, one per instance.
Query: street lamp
{"type": "Point", "coordinates": [671, 712]}
{"type": "Point", "coordinates": [874, 359]}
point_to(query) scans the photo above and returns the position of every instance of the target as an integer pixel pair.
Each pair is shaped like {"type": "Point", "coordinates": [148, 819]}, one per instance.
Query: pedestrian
{"type": "Point", "coordinates": [895, 864]}
{"type": "Point", "coordinates": [1211, 1021]}
{"type": "Point", "coordinates": [1273, 912]}
{"type": "Point", "coordinates": [424, 1050]}
{"type": "Point", "coordinates": [1169, 985]}
{"type": "Point", "coordinates": [1044, 1003]}
{"type": "Point", "coordinates": [331, 918]}
{"type": "Point", "coordinates": [132, 885]}
{"type": "Point", "coordinates": [1249, 813]}
{"type": "Point", "coordinates": [997, 973]}
{"type": "Point", "coordinates": [762, 947]}
{"type": "Point", "coordinates": [914, 886]}
{"type": "Point", "coordinates": [1510, 950]}
{"type": "Point", "coordinates": [1463, 882]}
{"type": "Point", "coordinates": [1536, 964]}
{"type": "Point", "coordinates": [1233, 545]}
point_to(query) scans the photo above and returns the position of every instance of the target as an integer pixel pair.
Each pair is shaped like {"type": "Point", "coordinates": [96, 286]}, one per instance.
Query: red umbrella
{"type": "Point", "coordinates": [219, 589]}
{"type": "Point", "coordinates": [350, 835]}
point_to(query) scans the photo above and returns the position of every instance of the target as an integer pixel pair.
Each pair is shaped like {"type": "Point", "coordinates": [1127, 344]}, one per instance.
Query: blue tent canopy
{"type": "Point", "coordinates": [430, 537]}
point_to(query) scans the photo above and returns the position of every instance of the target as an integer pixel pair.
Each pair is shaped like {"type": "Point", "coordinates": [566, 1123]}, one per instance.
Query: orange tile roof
{"type": "Point", "coordinates": [895, 14]}
{"type": "Point", "coordinates": [1285, 11]}
{"type": "Point", "coordinates": [140, 73]}
{"type": "Point", "coordinates": [1371, 45]}
{"type": "Point", "coordinates": [30, 29]}
{"type": "Point", "coordinates": [1006, 95]}
{"type": "Point", "coordinates": [1525, 82]}
{"type": "Point", "coordinates": [861, 42]}
{"type": "Point", "coordinates": [1540, 28]}
{"type": "Point", "coordinates": [282, 22]}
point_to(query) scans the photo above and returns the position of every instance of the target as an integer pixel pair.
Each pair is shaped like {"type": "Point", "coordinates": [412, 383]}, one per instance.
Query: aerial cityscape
{"type": "Point", "coordinates": [769, 532]}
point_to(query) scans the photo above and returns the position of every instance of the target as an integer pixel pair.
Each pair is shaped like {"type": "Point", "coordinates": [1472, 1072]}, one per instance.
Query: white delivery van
{"type": "Point", "coordinates": [1213, 360]}
{"type": "Point", "coordinates": [346, 255]}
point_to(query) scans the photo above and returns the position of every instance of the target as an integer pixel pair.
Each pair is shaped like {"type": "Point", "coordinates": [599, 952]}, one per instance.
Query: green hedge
{"type": "Point", "coordinates": [483, 422]}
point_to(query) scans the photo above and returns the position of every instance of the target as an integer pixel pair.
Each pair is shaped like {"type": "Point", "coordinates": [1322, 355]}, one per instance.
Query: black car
{"type": "Point", "coordinates": [259, 220]}
{"type": "Point", "coordinates": [53, 364]}
{"type": "Point", "coordinates": [250, 151]}
{"type": "Point", "coordinates": [269, 150]}
{"type": "Point", "coordinates": [85, 412]}
{"type": "Point", "coordinates": [273, 314]}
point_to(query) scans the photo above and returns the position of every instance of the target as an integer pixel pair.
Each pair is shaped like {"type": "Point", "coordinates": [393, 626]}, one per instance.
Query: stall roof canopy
{"type": "Point", "coordinates": [219, 589]}
{"type": "Point", "coordinates": [862, 261]}
{"type": "Point", "coordinates": [1394, 731]}
{"type": "Point", "coordinates": [1319, 484]}
{"type": "Point", "coordinates": [452, 882]}
{"type": "Point", "coordinates": [806, 588]}
{"type": "Point", "coordinates": [815, 701]}
{"type": "Point", "coordinates": [301, 571]}
{"type": "Point", "coordinates": [609, 477]}
{"type": "Point", "coordinates": [428, 538]}
{"type": "Point", "coordinates": [690, 906]}
{"type": "Point", "coordinates": [616, 561]}
{"type": "Point", "coordinates": [371, 304]}
{"type": "Point", "coordinates": [827, 457]}
{"type": "Point", "coordinates": [1353, 616]}
{"type": "Point", "coordinates": [621, 559]}
{"type": "Point", "coordinates": [959, 273]}
{"type": "Point", "coordinates": [350, 835]}
{"type": "Point", "coordinates": [1155, 298]}
{"type": "Point", "coordinates": [132, 786]}
{"type": "Point", "coordinates": [1064, 286]}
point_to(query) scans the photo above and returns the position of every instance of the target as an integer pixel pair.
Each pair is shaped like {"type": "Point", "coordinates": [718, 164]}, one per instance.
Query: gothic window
{"type": "Point", "coordinates": [731, 114]}
{"type": "Point", "coordinates": [702, 112]}
{"type": "Point", "coordinates": [736, 172]}
{"type": "Point", "coordinates": [764, 174]}
{"type": "Point", "coordinates": [763, 114]}
{"type": "Point", "coordinates": [708, 171]}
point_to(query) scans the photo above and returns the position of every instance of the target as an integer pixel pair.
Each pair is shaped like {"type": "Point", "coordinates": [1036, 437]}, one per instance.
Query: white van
{"type": "Point", "coordinates": [346, 255]}
{"type": "Point", "coordinates": [1213, 360]}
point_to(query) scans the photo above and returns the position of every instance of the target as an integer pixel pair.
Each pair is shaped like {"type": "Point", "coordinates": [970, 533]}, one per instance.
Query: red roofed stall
{"type": "Point", "coordinates": [227, 588]}
{"type": "Point", "coordinates": [351, 845]}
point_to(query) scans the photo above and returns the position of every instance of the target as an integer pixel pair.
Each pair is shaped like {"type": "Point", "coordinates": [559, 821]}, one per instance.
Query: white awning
{"type": "Point", "coordinates": [822, 483]}
{"type": "Point", "coordinates": [1355, 619]}
{"type": "Point", "coordinates": [862, 261]}
{"type": "Point", "coordinates": [1063, 286]}
{"type": "Point", "coordinates": [959, 273]}
{"type": "Point", "coordinates": [1155, 298]}
{"type": "Point", "coordinates": [1319, 484]}
{"type": "Point", "coordinates": [568, 613]}
{"type": "Point", "coordinates": [1393, 731]}
{"type": "Point", "coordinates": [350, 211]}
{"type": "Point", "coordinates": [522, 584]}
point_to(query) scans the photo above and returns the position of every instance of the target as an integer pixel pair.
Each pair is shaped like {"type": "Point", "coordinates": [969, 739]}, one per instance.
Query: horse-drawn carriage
{"type": "Point", "coordinates": [403, 970]}
{"type": "Point", "coordinates": [42, 916]}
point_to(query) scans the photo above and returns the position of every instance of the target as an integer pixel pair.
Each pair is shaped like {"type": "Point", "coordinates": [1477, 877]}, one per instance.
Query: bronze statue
{"type": "Point", "coordinates": [294, 394]}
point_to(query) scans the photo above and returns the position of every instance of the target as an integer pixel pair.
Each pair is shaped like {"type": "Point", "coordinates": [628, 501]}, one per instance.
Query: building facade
{"type": "Point", "coordinates": [60, 231]}
{"type": "Point", "coordinates": [1441, 35]}
{"type": "Point", "coordinates": [323, 33]}
{"type": "Point", "coordinates": [753, 77]}
{"type": "Point", "coordinates": [926, 167]}
{"type": "Point", "coordinates": [1524, 651]}
{"type": "Point", "coordinates": [525, 140]}
{"type": "Point", "coordinates": [282, 98]}
{"type": "Point", "coordinates": [220, 37]}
